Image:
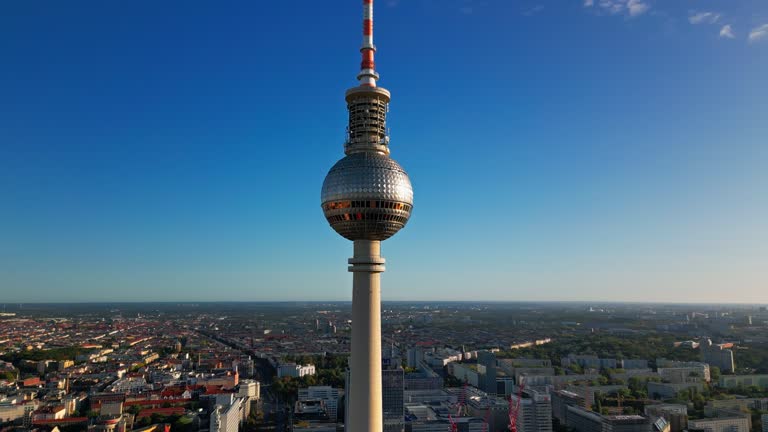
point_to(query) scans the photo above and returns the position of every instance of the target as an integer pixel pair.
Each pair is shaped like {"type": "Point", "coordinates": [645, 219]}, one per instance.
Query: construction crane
{"type": "Point", "coordinates": [454, 426]}
{"type": "Point", "coordinates": [514, 408]}
{"type": "Point", "coordinates": [461, 404]}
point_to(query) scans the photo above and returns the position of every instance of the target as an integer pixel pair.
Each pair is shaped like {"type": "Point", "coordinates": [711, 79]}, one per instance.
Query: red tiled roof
{"type": "Point", "coordinates": [216, 390]}
{"type": "Point", "coordinates": [64, 420]}
{"type": "Point", "coordinates": [148, 402]}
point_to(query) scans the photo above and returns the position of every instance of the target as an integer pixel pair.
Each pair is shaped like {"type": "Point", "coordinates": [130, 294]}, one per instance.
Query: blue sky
{"type": "Point", "coordinates": [559, 150]}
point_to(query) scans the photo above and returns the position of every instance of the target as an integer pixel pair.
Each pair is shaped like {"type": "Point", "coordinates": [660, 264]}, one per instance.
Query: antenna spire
{"type": "Point", "coordinates": [367, 75]}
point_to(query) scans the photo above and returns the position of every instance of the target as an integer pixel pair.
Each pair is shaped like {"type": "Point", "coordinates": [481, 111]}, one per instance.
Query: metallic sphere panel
{"type": "Point", "coordinates": [367, 196]}
{"type": "Point", "coordinates": [367, 175]}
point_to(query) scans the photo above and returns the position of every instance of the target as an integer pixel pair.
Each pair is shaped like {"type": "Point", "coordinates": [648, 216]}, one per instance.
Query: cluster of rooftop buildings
{"type": "Point", "coordinates": [119, 374]}
{"type": "Point", "coordinates": [160, 367]}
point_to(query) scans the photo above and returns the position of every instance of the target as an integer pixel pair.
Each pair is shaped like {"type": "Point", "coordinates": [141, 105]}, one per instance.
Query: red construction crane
{"type": "Point", "coordinates": [514, 408]}
{"type": "Point", "coordinates": [454, 426]}
{"type": "Point", "coordinates": [461, 403]}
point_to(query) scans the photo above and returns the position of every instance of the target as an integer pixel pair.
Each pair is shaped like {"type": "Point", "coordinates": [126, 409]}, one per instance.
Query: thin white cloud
{"type": "Point", "coordinates": [727, 32]}
{"type": "Point", "coordinates": [704, 18]}
{"type": "Point", "coordinates": [637, 7]}
{"type": "Point", "coordinates": [534, 10]}
{"type": "Point", "coordinates": [758, 33]}
{"type": "Point", "coordinates": [612, 6]}
{"type": "Point", "coordinates": [632, 8]}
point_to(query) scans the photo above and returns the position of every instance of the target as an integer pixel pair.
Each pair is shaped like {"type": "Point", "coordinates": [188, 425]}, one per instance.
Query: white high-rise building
{"type": "Point", "coordinates": [535, 411]}
{"type": "Point", "coordinates": [227, 418]}
{"type": "Point", "coordinates": [249, 389]}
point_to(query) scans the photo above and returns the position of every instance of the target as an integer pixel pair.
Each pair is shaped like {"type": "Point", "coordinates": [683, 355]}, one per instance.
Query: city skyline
{"type": "Point", "coordinates": [180, 152]}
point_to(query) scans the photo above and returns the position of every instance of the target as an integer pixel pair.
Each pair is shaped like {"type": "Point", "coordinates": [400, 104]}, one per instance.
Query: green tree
{"type": "Point", "coordinates": [183, 424]}
{"type": "Point", "coordinates": [714, 373]}
{"type": "Point", "coordinates": [636, 383]}
{"type": "Point", "coordinates": [625, 393]}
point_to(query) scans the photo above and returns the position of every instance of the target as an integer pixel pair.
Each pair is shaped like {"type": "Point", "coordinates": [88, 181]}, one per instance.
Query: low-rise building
{"type": "Point", "coordinates": [675, 414]}
{"type": "Point", "coordinates": [680, 371]}
{"type": "Point", "coordinates": [737, 381]}
{"type": "Point", "coordinates": [327, 394]}
{"type": "Point", "coordinates": [657, 390]}
{"type": "Point", "coordinates": [12, 411]}
{"type": "Point", "coordinates": [633, 364]}
{"type": "Point", "coordinates": [494, 410]}
{"type": "Point", "coordinates": [51, 412]}
{"type": "Point", "coordinates": [716, 355]}
{"type": "Point", "coordinates": [559, 381]}
{"type": "Point", "coordinates": [581, 420]}
{"type": "Point", "coordinates": [423, 379]}
{"type": "Point", "coordinates": [562, 399]}
{"type": "Point", "coordinates": [295, 370]}
{"type": "Point", "coordinates": [627, 423]}
{"type": "Point", "coordinates": [465, 373]}
{"type": "Point", "coordinates": [589, 361]}
{"type": "Point", "coordinates": [740, 405]}
{"type": "Point", "coordinates": [735, 423]}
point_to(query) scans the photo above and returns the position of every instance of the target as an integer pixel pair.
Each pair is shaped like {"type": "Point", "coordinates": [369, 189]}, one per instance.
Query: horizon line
{"type": "Point", "coordinates": [586, 302]}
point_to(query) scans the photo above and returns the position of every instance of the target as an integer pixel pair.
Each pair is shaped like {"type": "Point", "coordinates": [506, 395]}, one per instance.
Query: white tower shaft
{"type": "Point", "coordinates": [365, 396]}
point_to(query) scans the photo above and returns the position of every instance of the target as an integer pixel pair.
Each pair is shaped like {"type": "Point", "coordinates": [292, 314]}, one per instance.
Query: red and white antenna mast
{"type": "Point", "coordinates": [367, 75]}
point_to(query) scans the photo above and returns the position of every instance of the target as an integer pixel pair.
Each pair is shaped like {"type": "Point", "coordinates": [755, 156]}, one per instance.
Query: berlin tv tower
{"type": "Point", "coordinates": [366, 197]}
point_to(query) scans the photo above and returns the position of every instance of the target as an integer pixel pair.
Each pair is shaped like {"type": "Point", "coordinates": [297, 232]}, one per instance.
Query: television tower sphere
{"type": "Point", "coordinates": [367, 195]}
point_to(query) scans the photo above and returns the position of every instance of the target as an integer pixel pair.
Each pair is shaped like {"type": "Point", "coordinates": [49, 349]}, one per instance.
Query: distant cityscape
{"type": "Point", "coordinates": [550, 367]}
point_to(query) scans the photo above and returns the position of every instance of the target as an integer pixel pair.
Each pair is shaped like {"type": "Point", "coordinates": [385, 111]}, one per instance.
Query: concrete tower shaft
{"type": "Point", "coordinates": [365, 396]}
